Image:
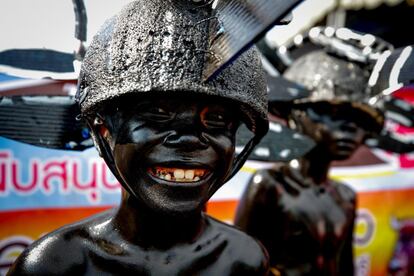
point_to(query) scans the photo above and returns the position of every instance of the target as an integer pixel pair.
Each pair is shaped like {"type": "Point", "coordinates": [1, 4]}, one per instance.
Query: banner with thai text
{"type": "Point", "coordinates": [43, 189]}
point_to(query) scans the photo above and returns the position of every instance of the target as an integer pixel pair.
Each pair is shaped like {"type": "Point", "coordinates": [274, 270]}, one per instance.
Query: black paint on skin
{"type": "Point", "coordinates": [150, 114]}
{"type": "Point", "coordinates": [184, 132]}
{"type": "Point", "coordinates": [159, 229]}
{"type": "Point", "coordinates": [304, 219]}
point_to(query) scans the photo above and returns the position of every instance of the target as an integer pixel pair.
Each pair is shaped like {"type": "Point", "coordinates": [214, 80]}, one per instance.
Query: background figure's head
{"type": "Point", "coordinates": [167, 135]}
{"type": "Point", "coordinates": [334, 114]}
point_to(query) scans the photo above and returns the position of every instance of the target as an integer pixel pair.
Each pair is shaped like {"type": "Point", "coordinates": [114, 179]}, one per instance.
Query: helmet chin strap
{"type": "Point", "coordinates": [242, 157]}
{"type": "Point", "coordinates": [106, 153]}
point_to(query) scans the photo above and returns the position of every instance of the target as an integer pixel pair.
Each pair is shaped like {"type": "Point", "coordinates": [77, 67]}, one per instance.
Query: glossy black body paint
{"type": "Point", "coordinates": [159, 228]}
{"type": "Point", "coordinates": [169, 138]}
{"type": "Point", "coordinates": [304, 219]}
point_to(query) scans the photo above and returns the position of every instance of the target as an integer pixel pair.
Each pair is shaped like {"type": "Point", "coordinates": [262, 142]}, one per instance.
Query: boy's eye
{"type": "Point", "coordinates": [156, 113]}
{"type": "Point", "coordinates": [215, 118]}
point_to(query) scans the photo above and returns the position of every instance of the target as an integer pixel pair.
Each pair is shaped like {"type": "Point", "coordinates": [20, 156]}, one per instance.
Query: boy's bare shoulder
{"type": "Point", "coordinates": [61, 252]}
{"type": "Point", "coordinates": [247, 254]}
{"type": "Point", "coordinates": [67, 251]}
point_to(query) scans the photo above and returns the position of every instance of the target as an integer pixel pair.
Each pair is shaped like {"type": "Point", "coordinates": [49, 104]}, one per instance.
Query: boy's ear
{"type": "Point", "coordinates": [106, 135]}
{"type": "Point", "coordinates": [103, 130]}
{"type": "Point", "coordinates": [100, 134]}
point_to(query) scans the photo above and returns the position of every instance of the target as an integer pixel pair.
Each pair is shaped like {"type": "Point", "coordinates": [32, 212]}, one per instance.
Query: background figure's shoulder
{"type": "Point", "coordinates": [61, 252]}
{"type": "Point", "coordinates": [266, 179]}
{"type": "Point", "coordinates": [247, 254]}
{"type": "Point", "coordinates": [345, 191]}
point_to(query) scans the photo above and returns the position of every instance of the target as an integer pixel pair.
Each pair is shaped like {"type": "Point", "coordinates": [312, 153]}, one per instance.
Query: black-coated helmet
{"type": "Point", "coordinates": [162, 46]}
{"type": "Point", "coordinates": [336, 80]}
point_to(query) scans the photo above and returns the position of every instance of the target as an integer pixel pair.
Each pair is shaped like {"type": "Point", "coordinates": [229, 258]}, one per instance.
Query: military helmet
{"type": "Point", "coordinates": [336, 80]}
{"type": "Point", "coordinates": [162, 46]}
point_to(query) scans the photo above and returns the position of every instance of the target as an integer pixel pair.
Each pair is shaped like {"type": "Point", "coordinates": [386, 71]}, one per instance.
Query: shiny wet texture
{"type": "Point", "coordinates": [99, 246]}
{"type": "Point", "coordinates": [307, 229]}
{"type": "Point", "coordinates": [165, 52]}
{"type": "Point", "coordinates": [183, 134]}
{"type": "Point", "coordinates": [305, 220]}
{"type": "Point", "coordinates": [159, 228]}
{"type": "Point", "coordinates": [141, 92]}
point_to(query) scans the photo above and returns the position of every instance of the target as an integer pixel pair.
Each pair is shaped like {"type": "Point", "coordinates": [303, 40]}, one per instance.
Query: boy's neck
{"type": "Point", "coordinates": [148, 228]}
{"type": "Point", "coordinates": [315, 165]}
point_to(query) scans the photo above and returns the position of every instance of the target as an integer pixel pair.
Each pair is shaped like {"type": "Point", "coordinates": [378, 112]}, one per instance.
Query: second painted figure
{"type": "Point", "coordinates": [304, 219]}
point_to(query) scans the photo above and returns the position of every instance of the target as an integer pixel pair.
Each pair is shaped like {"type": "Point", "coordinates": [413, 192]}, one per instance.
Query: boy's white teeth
{"type": "Point", "coordinates": [189, 174]}
{"type": "Point", "coordinates": [178, 175]}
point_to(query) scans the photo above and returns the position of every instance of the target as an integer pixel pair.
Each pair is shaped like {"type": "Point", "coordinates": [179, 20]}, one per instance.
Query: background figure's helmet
{"type": "Point", "coordinates": [333, 79]}
{"type": "Point", "coordinates": [329, 77]}
{"type": "Point", "coordinates": [162, 45]}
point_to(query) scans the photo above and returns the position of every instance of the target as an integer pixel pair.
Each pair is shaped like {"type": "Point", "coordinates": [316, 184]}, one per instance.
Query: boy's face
{"type": "Point", "coordinates": [333, 127]}
{"type": "Point", "coordinates": [173, 152]}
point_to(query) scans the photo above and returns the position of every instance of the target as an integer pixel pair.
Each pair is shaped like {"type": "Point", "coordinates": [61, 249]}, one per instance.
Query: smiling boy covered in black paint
{"type": "Point", "coordinates": [169, 138]}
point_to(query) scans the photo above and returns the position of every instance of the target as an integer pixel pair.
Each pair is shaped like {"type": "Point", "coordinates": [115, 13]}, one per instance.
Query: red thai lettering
{"type": "Point", "coordinates": [106, 183]}
{"type": "Point", "coordinates": [51, 173]}
{"type": "Point", "coordinates": [3, 155]}
{"type": "Point", "coordinates": [33, 174]}
{"type": "Point", "coordinates": [2, 178]}
{"type": "Point", "coordinates": [91, 185]}
{"type": "Point", "coordinates": [46, 174]}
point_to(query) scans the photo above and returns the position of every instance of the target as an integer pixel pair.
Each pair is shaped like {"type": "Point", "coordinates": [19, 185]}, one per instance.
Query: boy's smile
{"type": "Point", "coordinates": [181, 175]}
{"type": "Point", "coordinates": [173, 155]}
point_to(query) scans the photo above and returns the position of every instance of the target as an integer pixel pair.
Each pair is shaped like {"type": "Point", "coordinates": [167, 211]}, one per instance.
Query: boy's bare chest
{"type": "Point", "coordinates": [120, 259]}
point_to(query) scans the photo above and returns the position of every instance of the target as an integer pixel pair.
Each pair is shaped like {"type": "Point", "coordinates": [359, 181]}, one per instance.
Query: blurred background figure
{"type": "Point", "coordinates": [303, 218]}
{"type": "Point", "coordinates": [383, 171]}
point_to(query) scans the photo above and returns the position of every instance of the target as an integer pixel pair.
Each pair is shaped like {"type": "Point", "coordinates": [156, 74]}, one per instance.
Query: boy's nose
{"type": "Point", "coordinates": [186, 141]}
{"type": "Point", "coordinates": [187, 118]}
{"type": "Point", "coordinates": [349, 127]}
{"type": "Point", "coordinates": [187, 132]}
